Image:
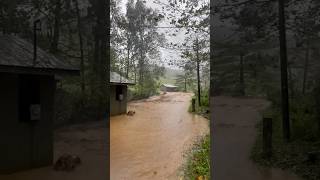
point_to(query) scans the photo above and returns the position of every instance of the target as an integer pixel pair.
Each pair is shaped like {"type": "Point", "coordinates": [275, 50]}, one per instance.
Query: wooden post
{"type": "Point", "coordinates": [193, 105]}
{"type": "Point", "coordinates": [267, 137]}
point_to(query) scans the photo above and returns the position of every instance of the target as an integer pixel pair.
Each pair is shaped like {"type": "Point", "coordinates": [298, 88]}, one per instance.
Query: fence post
{"type": "Point", "coordinates": [193, 104]}
{"type": "Point", "coordinates": [267, 137]}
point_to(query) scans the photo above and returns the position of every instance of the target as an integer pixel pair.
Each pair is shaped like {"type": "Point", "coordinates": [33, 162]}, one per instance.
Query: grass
{"type": "Point", "coordinates": [291, 156]}
{"type": "Point", "coordinates": [197, 165]}
{"type": "Point", "coordinates": [198, 160]}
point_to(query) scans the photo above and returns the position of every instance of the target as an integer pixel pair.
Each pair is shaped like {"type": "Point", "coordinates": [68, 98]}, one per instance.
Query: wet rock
{"type": "Point", "coordinates": [67, 162]}
{"type": "Point", "coordinates": [131, 113]}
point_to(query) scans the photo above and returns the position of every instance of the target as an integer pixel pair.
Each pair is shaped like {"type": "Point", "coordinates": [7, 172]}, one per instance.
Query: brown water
{"type": "Point", "coordinates": [234, 135]}
{"type": "Point", "coordinates": [88, 141]}
{"type": "Point", "coordinates": [148, 145]}
{"type": "Point", "coordinates": [151, 144]}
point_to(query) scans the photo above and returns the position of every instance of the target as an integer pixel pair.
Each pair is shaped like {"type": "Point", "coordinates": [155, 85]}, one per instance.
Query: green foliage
{"type": "Point", "coordinates": [71, 107]}
{"type": "Point", "coordinates": [198, 162]}
{"type": "Point", "coordinates": [304, 138]}
{"type": "Point", "coordinates": [204, 109]}
{"type": "Point", "coordinates": [304, 123]}
{"type": "Point", "coordinates": [135, 47]}
{"type": "Point", "coordinates": [205, 98]}
{"type": "Point", "coordinates": [13, 19]}
{"type": "Point", "coordinates": [292, 155]}
{"type": "Point", "coordinates": [149, 87]}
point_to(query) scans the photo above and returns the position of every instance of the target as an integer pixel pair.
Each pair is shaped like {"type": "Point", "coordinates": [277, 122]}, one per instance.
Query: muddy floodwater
{"type": "Point", "coordinates": [234, 121]}
{"type": "Point", "coordinates": [152, 143]}
{"type": "Point", "coordinates": [148, 145]}
{"type": "Point", "coordinates": [88, 141]}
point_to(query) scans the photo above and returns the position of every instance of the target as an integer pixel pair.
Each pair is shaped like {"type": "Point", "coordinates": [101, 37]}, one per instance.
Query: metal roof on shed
{"type": "Point", "coordinates": [118, 79]}
{"type": "Point", "coordinates": [169, 85]}
{"type": "Point", "coordinates": [18, 53]}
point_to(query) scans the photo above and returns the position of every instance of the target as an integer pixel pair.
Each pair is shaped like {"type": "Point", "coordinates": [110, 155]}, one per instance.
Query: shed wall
{"type": "Point", "coordinates": [118, 107]}
{"type": "Point", "coordinates": [25, 145]}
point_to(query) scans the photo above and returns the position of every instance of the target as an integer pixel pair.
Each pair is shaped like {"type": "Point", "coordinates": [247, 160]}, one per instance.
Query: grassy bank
{"type": "Point", "coordinates": [202, 110]}
{"type": "Point", "coordinates": [197, 165]}
{"type": "Point", "coordinates": [198, 161]}
{"type": "Point", "coordinates": [292, 156]}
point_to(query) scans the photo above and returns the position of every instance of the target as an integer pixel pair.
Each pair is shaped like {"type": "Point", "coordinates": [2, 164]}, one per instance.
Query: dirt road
{"type": "Point", "coordinates": [234, 134]}
{"type": "Point", "coordinates": [151, 144]}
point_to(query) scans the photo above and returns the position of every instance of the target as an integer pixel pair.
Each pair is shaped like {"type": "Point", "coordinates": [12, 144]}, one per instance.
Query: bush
{"type": "Point", "coordinates": [304, 139]}
{"type": "Point", "coordinates": [72, 108]}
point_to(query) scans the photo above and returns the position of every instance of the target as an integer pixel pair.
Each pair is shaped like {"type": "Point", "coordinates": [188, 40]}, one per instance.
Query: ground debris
{"type": "Point", "coordinates": [201, 178]}
{"type": "Point", "coordinates": [130, 113]}
{"type": "Point", "coordinates": [67, 162]}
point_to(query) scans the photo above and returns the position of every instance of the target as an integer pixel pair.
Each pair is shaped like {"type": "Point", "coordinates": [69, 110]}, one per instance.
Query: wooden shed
{"type": "Point", "coordinates": [27, 104]}
{"type": "Point", "coordinates": [168, 88]}
{"type": "Point", "coordinates": [118, 94]}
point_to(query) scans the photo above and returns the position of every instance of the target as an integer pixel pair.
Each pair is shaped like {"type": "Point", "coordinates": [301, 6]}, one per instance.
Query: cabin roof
{"type": "Point", "coordinates": [16, 55]}
{"type": "Point", "coordinates": [169, 86]}
{"type": "Point", "coordinates": [116, 78]}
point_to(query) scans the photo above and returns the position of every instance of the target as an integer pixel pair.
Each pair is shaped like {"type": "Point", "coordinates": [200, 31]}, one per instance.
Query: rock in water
{"type": "Point", "coordinates": [67, 162]}
{"type": "Point", "coordinates": [131, 113]}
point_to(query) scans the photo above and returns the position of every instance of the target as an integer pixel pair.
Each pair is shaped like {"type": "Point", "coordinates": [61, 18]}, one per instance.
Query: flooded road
{"type": "Point", "coordinates": [234, 135]}
{"type": "Point", "coordinates": [151, 144]}
{"type": "Point", "coordinates": [88, 141]}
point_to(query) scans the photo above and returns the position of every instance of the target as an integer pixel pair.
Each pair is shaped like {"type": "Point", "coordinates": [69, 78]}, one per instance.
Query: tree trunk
{"type": "Point", "coordinates": [284, 74]}
{"type": "Point", "coordinates": [241, 77]}
{"type": "Point", "coordinates": [141, 60]}
{"type": "Point", "coordinates": [83, 87]}
{"type": "Point", "coordinates": [291, 82]}
{"type": "Point", "coordinates": [128, 57]}
{"type": "Point", "coordinates": [306, 68]}
{"type": "Point", "coordinates": [212, 30]}
{"type": "Point", "coordinates": [198, 72]}
{"type": "Point", "coordinates": [135, 74]}
{"type": "Point", "coordinates": [101, 64]}
{"type": "Point", "coordinates": [56, 30]}
{"type": "Point", "coordinates": [185, 83]}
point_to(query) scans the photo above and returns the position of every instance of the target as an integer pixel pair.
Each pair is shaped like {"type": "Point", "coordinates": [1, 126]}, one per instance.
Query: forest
{"type": "Point", "coordinates": [248, 48]}
{"type": "Point", "coordinates": [138, 35]}
{"type": "Point", "coordinates": [269, 49]}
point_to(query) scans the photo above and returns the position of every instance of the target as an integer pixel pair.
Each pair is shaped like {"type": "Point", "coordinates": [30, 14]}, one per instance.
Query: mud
{"type": "Point", "coordinates": [151, 143]}
{"type": "Point", "coordinates": [88, 141]}
{"type": "Point", "coordinates": [234, 131]}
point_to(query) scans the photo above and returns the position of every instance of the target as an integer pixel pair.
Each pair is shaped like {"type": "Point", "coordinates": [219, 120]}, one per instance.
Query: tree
{"type": "Point", "coordinates": [193, 18]}
{"type": "Point", "coordinates": [13, 19]}
{"type": "Point", "coordinates": [284, 78]}
{"type": "Point", "coordinates": [57, 22]}
{"type": "Point", "coordinates": [82, 65]}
